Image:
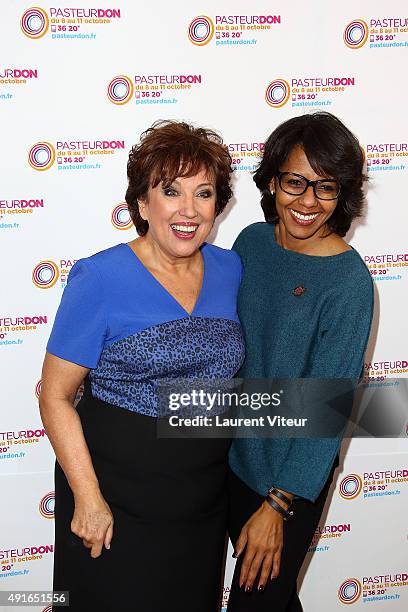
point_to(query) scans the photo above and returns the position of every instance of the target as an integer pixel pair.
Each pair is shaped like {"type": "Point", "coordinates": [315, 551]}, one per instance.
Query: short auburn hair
{"type": "Point", "coordinates": [171, 149]}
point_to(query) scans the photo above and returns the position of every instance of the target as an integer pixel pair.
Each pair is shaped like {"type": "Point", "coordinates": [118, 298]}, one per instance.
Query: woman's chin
{"type": "Point", "coordinates": [183, 247]}
{"type": "Point", "coordinates": [303, 232]}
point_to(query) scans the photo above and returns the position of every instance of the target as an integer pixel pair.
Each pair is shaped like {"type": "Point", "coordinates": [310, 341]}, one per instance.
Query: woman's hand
{"type": "Point", "coordinates": [262, 535]}
{"type": "Point", "coordinates": [93, 522]}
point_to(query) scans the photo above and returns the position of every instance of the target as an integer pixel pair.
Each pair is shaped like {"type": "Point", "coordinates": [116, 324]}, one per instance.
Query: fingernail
{"type": "Point", "coordinates": [234, 554]}
{"type": "Point", "coordinates": [273, 577]}
{"type": "Point", "coordinates": [248, 589]}
{"type": "Point", "coordinates": [108, 547]}
{"type": "Point", "coordinates": [261, 587]}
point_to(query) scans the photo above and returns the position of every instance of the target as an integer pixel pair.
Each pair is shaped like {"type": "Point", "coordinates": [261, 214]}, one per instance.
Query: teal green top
{"type": "Point", "coordinates": [320, 333]}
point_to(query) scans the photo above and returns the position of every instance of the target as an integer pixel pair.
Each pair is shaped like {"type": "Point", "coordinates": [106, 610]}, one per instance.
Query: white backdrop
{"type": "Point", "coordinates": [77, 87]}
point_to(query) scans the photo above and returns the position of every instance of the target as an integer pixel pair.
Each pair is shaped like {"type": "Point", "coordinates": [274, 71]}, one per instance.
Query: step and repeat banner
{"type": "Point", "coordinates": [78, 85]}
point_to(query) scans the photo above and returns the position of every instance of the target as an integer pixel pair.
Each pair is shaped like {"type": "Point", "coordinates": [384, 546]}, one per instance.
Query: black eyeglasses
{"type": "Point", "coordinates": [296, 184]}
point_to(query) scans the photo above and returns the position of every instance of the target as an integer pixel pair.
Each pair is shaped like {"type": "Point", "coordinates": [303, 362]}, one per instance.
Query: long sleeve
{"type": "Point", "coordinates": [304, 317]}
{"type": "Point", "coordinates": [345, 328]}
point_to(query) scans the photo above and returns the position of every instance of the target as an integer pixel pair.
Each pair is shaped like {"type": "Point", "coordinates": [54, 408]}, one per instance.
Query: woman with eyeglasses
{"type": "Point", "coordinates": [305, 303]}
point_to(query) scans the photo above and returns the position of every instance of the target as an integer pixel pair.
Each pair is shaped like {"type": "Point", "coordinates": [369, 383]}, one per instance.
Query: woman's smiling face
{"type": "Point", "coordinates": [180, 215]}
{"type": "Point", "coordinates": [304, 216]}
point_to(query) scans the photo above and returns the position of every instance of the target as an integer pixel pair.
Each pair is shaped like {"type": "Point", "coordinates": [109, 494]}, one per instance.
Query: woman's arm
{"type": "Point", "coordinates": [92, 520]}
{"type": "Point", "coordinates": [346, 323]}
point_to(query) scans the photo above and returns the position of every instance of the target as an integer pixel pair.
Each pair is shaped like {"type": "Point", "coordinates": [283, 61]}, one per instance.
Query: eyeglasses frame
{"type": "Point", "coordinates": [309, 184]}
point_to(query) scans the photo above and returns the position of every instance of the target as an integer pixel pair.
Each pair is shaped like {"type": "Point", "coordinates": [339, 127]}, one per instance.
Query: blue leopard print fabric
{"type": "Point", "coordinates": [130, 370]}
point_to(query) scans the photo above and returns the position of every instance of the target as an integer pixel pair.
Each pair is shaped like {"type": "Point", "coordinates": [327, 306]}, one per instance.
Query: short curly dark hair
{"type": "Point", "coordinates": [171, 149]}
{"type": "Point", "coordinates": [332, 150]}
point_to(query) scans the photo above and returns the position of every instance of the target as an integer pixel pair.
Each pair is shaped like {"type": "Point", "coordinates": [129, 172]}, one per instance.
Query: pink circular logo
{"type": "Point", "coordinates": [350, 486]}
{"type": "Point", "coordinates": [356, 34]}
{"type": "Point", "coordinates": [201, 30]}
{"type": "Point", "coordinates": [46, 505]}
{"type": "Point", "coordinates": [120, 218]}
{"type": "Point", "coordinates": [120, 89]}
{"type": "Point", "coordinates": [34, 22]}
{"type": "Point", "coordinates": [277, 93]}
{"type": "Point", "coordinates": [350, 591]}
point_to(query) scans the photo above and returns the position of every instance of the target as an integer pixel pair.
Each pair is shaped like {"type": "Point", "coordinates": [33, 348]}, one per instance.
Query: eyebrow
{"type": "Point", "coordinates": [198, 186]}
{"type": "Point", "coordinates": [326, 178]}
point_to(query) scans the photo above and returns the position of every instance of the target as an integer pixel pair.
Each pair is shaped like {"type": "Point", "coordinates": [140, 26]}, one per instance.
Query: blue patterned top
{"type": "Point", "coordinates": [118, 320]}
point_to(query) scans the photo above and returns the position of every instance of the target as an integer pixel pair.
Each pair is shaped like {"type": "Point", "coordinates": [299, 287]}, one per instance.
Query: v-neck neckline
{"type": "Point", "coordinates": [163, 288]}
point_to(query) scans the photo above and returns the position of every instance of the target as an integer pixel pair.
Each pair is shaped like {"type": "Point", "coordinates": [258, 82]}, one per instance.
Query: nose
{"type": "Point", "coordinates": [308, 198]}
{"type": "Point", "coordinates": [188, 208]}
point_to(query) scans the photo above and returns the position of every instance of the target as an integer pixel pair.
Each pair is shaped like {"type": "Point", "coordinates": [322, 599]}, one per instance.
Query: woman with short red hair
{"type": "Point", "coordinates": [140, 520]}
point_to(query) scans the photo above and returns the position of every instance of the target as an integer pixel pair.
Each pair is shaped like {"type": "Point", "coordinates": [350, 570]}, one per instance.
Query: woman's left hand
{"type": "Point", "coordinates": [262, 535]}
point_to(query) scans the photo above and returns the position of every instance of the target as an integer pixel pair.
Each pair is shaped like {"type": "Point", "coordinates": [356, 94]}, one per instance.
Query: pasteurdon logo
{"type": "Point", "coordinates": [349, 591]}
{"type": "Point", "coordinates": [350, 486]}
{"type": "Point", "coordinates": [41, 156]}
{"type": "Point", "coordinates": [121, 218]}
{"type": "Point", "coordinates": [277, 93]}
{"type": "Point", "coordinates": [356, 34]}
{"type": "Point", "coordinates": [45, 274]}
{"type": "Point", "coordinates": [34, 22]}
{"type": "Point", "coordinates": [46, 506]}
{"type": "Point", "coordinates": [120, 89]}
{"type": "Point", "coordinates": [201, 30]}
{"type": "Point", "coordinates": [38, 389]}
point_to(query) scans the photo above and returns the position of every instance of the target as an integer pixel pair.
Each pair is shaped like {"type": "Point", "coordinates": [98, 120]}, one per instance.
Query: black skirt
{"type": "Point", "coordinates": [169, 503]}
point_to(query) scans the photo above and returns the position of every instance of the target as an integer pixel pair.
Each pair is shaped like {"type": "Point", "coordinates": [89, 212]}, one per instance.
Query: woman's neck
{"type": "Point", "coordinates": [155, 258]}
{"type": "Point", "coordinates": [321, 243]}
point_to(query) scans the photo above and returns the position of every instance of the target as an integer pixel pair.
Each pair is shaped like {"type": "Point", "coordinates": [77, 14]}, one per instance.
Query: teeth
{"type": "Point", "coordinates": [299, 215]}
{"type": "Point", "coordinates": [188, 229]}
